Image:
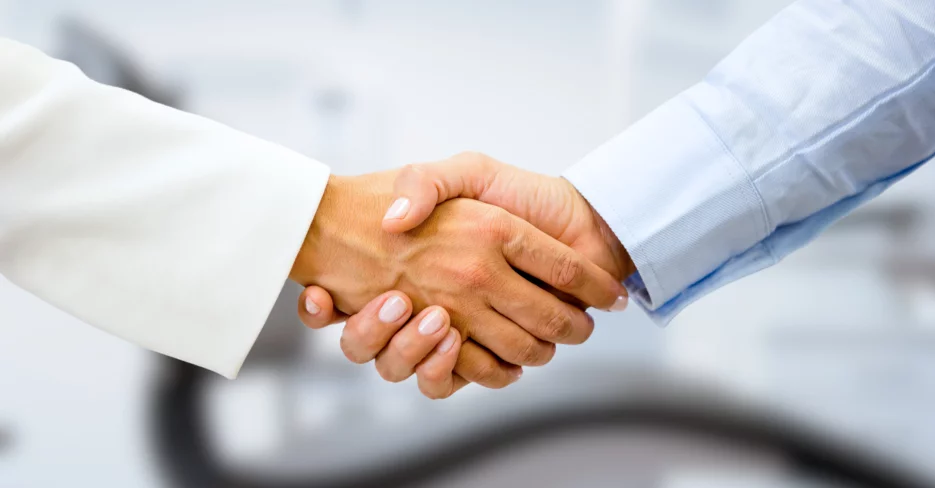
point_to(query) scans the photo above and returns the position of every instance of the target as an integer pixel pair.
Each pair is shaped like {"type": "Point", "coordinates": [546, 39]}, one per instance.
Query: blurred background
{"type": "Point", "coordinates": [830, 353]}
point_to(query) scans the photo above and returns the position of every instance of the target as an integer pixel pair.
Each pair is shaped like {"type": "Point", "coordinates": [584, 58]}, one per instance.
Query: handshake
{"type": "Point", "coordinates": [490, 267]}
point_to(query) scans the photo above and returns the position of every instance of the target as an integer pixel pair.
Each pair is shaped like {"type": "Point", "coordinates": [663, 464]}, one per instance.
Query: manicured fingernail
{"type": "Point", "coordinates": [398, 210]}
{"type": "Point", "coordinates": [621, 304]}
{"type": "Point", "coordinates": [431, 323]}
{"type": "Point", "coordinates": [448, 343]}
{"type": "Point", "coordinates": [392, 310]}
{"type": "Point", "coordinates": [311, 307]}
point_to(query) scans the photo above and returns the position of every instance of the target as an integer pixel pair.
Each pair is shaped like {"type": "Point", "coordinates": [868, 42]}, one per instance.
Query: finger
{"type": "Point", "coordinates": [412, 344]}
{"type": "Point", "coordinates": [420, 188]}
{"type": "Point", "coordinates": [507, 340]}
{"type": "Point", "coordinates": [534, 252]}
{"type": "Point", "coordinates": [316, 309]}
{"type": "Point", "coordinates": [436, 373]}
{"type": "Point", "coordinates": [477, 365]}
{"type": "Point", "coordinates": [541, 313]}
{"type": "Point", "coordinates": [370, 330]}
{"type": "Point", "coordinates": [460, 382]}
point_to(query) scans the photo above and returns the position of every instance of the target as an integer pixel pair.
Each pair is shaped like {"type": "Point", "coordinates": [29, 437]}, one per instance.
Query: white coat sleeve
{"type": "Point", "coordinates": [161, 227]}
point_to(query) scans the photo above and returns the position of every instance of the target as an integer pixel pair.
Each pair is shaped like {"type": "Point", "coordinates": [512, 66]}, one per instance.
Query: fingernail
{"type": "Point", "coordinates": [517, 373]}
{"type": "Point", "coordinates": [398, 210]}
{"type": "Point", "coordinates": [392, 310]}
{"type": "Point", "coordinates": [431, 323]}
{"type": "Point", "coordinates": [448, 343]}
{"type": "Point", "coordinates": [311, 307]}
{"type": "Point", "coordinates": [621, 304]}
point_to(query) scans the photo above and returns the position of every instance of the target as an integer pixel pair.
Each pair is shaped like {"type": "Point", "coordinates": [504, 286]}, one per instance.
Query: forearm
{"type": "Point", "coordinates": [161, 227]}
{"type": "Point", "coordinates": [820, 110]}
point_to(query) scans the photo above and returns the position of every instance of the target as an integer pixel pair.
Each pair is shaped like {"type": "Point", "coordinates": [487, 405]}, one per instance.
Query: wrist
{"type": "Point", "coordinates": [621, 257]}
{"type": "Point", "coordinates": [308, 263]}
{"type": "Point", "coordinates": [345, 251]}
{"type": "Point", "coordinates": [595, 237]}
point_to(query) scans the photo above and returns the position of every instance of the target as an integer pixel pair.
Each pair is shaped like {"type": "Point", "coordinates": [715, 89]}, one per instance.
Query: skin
{"type": "Point", "coordinates": [551, 204]}
{"type": "Point", "coordinates": [470, 260]}
{"type": "Point", "coordinates": [431, 357]}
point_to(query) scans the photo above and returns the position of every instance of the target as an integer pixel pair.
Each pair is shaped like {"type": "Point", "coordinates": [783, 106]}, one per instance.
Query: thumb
{"type": "Point", "coordinates": [316, 308]}
{"type": "Point", "coordinates": [419, 188]}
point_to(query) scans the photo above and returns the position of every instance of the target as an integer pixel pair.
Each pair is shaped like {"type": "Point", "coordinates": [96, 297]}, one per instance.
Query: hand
{"type": "Point", "coordinates": [401, 347]}
{"type": "Point", "coordinates": [550, 203]}
{"type": "Point", "coordinates": [463, 258]}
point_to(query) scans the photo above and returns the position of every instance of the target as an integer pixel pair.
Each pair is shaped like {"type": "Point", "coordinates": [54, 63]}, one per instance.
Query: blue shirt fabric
{"type": "Point", "coordinates": [820, 110]}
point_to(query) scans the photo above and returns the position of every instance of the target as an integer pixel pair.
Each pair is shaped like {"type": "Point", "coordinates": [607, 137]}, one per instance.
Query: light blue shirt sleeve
{"type": "Point", "coordinates": [819, 111]}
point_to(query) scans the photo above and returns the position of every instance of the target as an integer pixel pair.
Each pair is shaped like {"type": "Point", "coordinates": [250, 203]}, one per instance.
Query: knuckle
{"type": "Point", "coordinates": [494, 223]}
{"type": "Point", "coordinates": [408, 169]}
{"type": "Point", "coordinates": [476, 275]}
{"type": "Point", "coordinates": [412, 172]}
{"type": "Point", "coordinates": [531, 353]}
{"type": "Point", "coordinates": [558, 327]}
{"type": "Point", "coordinates": [475, 157]}
{"type": "Point", "coordinates": [567, 271]}
{"type": "Point", "coordinates": [479, 160]}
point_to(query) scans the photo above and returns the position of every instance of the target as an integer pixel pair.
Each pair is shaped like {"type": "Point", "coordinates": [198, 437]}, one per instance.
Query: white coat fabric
{"type": "Point", "coordinates": [158, 226]}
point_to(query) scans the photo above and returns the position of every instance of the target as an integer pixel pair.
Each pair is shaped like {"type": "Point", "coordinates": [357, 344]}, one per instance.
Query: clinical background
{"type": "Point", "coordinates": [841, 335]}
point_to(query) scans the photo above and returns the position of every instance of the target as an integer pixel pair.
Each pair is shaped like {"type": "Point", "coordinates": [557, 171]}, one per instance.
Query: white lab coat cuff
{"type": "Point", "coordinates": [262, 264]}
{"type": "Point", "coordinates": [676, 198]}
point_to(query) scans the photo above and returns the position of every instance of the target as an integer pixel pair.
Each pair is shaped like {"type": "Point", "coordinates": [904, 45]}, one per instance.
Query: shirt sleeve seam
{"type": "Point", "coordinates": [767, 225]}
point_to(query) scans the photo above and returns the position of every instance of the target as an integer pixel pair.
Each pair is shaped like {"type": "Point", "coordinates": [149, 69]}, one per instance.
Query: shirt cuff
{"type": "Point", "coordinates": [677, 199]}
